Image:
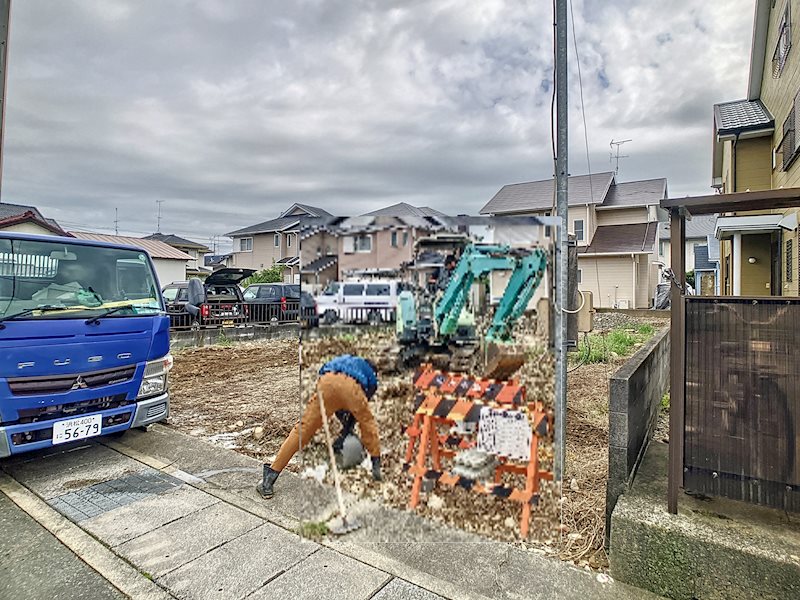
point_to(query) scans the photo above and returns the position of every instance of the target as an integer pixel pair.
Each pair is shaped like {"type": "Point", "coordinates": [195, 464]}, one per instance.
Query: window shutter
{"type": "Point", "coordinates": [349, 244]}
{"type": "Point", "coordinates": [795, 110]}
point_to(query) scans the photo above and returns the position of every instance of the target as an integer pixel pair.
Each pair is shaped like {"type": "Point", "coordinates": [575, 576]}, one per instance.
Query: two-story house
{"type": "Point", "coordinates": [273, 242]}
{"type": "Point", "coordinates": [375, 244]}
{"type": "Point", "coordinates": [614, 224]}
{"type": "Point", "coordinates": [195, 267]}
{"type": "Point", "coordinates": [755, 148]}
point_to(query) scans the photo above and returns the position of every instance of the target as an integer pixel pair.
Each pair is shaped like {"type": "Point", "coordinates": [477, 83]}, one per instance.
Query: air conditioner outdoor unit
{"type": "Point", "coordinates": [623, 304]}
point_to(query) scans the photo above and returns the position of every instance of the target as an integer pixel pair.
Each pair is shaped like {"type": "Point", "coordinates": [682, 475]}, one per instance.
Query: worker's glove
{"type": "Point", "coordinates": [376, 468]}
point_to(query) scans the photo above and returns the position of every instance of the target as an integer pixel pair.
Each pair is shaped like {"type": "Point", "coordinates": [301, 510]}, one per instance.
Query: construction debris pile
{"type": "Point", "coordinates": [393, 407]}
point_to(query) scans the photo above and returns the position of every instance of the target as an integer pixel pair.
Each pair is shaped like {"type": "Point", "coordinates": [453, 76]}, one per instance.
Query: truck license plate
{"type": "Point", "coordinates": [69, 430]}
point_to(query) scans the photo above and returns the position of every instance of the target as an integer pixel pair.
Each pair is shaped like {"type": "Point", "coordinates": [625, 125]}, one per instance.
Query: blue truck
{"type": "Point", "coordinates": [84, 341]}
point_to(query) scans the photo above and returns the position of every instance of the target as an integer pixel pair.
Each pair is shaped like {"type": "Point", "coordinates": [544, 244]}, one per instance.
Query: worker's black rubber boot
{"type": "Point", "coordinates": [265, 487]}
{"type": "Point", "coordinates": [376, 468]}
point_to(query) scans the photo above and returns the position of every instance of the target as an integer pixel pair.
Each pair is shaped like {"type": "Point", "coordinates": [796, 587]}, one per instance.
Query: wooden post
{"type": "Point", "coordinates": [677, 357]}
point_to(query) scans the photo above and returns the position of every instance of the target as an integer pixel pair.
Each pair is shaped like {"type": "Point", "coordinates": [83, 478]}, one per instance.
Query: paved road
{"type": "Point", "coordinates": [34, 564]}
{"type": "Point", "coordinates": [186, 516]}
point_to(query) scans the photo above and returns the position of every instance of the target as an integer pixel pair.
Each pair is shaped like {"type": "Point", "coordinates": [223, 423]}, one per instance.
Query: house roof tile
{"type": "Point", "coordinates": [273, 225]}
{"type": "Point", "coordinates": [539, 195]}
{"type": "Point", "coordinates": [647, 192]}
{"type": "Point", "coordinates": [403, 209]}
{"type": "Point", "coordinates": [622, 239]}
{"type": "Point", "coordinates": [741, 115]}
{"type": "Point", "coordinates": [699, 226]}
{"type": "Point", "coordinates": [177, 241]}
{"type": "Point", "coordinates": [154, 248]}
{"type": "Point", "coordinates": [701, 262]}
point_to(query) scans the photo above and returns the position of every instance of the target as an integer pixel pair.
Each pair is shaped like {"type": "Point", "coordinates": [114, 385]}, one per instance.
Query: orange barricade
{"type": "Point", "coordinates": [454, 401]}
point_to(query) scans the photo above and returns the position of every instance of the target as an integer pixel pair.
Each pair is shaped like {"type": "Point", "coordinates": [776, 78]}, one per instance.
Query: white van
{"type": "Point", "coordinates": [372, 301]}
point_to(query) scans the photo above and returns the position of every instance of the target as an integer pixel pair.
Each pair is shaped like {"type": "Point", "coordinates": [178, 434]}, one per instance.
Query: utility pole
{"type": "Point", "coordinates": [5, 19]}
{"type": "Point", "coordinates": [562, 173]}
{"type": "Point", "coordinates": [158, 222]}
{"type": "Point", "coordinates": [116, 221]}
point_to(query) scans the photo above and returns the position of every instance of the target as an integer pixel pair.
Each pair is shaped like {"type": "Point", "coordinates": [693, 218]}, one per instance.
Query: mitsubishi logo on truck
{"type": "Point", "coordinates": [79, 384]}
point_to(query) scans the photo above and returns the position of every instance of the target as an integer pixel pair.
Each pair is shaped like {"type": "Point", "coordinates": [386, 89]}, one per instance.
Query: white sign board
{"type": "Point", "coordinates": [505, 433]}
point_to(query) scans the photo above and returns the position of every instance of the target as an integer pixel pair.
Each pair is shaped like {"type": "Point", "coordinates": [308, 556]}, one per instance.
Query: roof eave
{"type": "Point", "coordinates": [758, 50]}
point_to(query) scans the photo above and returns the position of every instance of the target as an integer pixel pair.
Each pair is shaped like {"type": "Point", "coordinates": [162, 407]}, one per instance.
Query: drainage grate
{"type": "Point", "coordinates": [102, 497]}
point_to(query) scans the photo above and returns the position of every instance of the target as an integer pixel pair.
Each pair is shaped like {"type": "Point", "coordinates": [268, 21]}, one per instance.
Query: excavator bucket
{"type": "Point", "coordinates": [502, 361]}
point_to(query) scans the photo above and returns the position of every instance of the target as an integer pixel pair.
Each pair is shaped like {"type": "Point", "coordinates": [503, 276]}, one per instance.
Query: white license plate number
{"type": "Point", "coordinates": [78, 428]}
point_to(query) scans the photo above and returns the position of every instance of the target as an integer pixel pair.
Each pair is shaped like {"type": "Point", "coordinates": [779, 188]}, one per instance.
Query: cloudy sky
{"type": "Point", "coordinates": [231, 110]}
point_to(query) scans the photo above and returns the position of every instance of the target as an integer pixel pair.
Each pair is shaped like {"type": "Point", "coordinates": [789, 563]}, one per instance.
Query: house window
{"type": "Point", "coordinates": [405, 239]}
{"type": "Point", "coordinates": [579, 229]}
{"type": "Point", "coordinates": [288, 240]}
{"type": "Point", "coordinates": [580, 276]}
{"type": "Point", "coordinates": [363, 243]}
{"type": "Point", "coordinates": [394, 239]}
{"type": "Point", "coordinates": [783, 45]}
{"type": "Point", "coordinates": [246, 244]}
{"type": "Point", "coordinates": [788, 144]}
{"type": "Point", "coordinates": [789, 260]}
{"type": "Point", "coordinates": [277, 240]}
{"type": "Point", "coordinates": [661, 247]}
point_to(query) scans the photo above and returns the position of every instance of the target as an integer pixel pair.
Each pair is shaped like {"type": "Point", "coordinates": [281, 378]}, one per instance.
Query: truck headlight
{"type": "Point", "coordinates": [154, 381]}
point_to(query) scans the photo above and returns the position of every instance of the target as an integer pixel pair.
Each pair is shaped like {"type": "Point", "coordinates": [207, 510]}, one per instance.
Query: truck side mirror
{"type": "Point", "coordinates": [195, 295]}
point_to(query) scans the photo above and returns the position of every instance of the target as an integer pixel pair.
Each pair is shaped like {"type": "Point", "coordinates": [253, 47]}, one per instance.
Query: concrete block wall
{"type": "Point", "coordinates": [635, 399]}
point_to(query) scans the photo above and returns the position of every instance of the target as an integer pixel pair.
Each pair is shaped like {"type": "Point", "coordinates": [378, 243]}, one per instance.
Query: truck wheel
{"type": "Point", "coordinates": [374, 318]}
{"type": "Point", "coordinates": [330, 317]}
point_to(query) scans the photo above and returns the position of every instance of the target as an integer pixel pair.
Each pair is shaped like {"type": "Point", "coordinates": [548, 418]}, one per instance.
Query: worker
{"type": "Point", "coordinates": [347, 383]}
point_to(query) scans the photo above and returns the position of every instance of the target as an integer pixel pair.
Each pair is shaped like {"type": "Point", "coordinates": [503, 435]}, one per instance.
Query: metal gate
{"type": "Point", "coordinates": [742, 399]}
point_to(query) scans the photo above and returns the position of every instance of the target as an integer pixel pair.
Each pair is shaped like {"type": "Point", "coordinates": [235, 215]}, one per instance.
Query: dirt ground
{"type": "Point", "coordinates": [225, 393]}
{"type": "Point", "coordinates": [247, 397]}
{"type": "Point", "coordinates": [584, 498]}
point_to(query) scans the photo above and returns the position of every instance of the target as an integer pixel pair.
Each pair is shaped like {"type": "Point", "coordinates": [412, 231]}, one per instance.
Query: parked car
{"type": "Point", "coordinates": [370, 301]}
{"type": "Point", "coordinates": [273, 302]}
{"type": "Point", "coordinates": [223, 303]}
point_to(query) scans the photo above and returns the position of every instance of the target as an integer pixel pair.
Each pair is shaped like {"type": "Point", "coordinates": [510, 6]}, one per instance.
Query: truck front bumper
{"type": "Point", "coordinates": [140, 414]}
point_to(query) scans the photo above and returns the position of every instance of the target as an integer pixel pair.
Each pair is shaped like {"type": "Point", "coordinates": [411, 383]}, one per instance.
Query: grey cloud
{"type": "Point", "coordinates": [230, 111]}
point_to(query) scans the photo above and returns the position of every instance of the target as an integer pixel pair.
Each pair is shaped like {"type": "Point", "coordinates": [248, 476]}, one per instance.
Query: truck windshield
{"type": "Point", "coordinates": [74, 281]}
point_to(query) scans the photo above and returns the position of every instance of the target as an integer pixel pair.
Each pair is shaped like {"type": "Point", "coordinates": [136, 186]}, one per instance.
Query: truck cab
{"type": "Point", "coordinates": [84, 341]}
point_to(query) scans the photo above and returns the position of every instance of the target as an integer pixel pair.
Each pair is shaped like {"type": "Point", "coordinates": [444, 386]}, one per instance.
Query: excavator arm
{"type": "Point", "coordinates": [525, 279]}
{"type": "Point", "coordinates": [478, 260]}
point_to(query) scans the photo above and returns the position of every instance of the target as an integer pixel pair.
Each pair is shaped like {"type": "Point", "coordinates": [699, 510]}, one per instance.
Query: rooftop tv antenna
{"type": "Point", "coordinates": [158, 222]}
{"type": "Point", "coordinates": [116, 221]}
{"type": "Point", "coordinates": [615, 155]}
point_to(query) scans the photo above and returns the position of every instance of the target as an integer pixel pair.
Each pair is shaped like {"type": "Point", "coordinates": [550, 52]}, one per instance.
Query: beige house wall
{"type": "Point", "coordinates": [753, 164]}
{"type": "Point", "coordinates": [622, 216]}
{"type": "Point", "coordinates": [264, 253]}
{"type": "Point", "coordinates": [609, 278]}
{"type": "Point", "coordinates": [645, 286]}
{"type": "Point", "coordinates": [31, 228]}
{"type": "Point", "coordinates": [756, 277]}
{"type": "Point", "coordinates": [778, 94]}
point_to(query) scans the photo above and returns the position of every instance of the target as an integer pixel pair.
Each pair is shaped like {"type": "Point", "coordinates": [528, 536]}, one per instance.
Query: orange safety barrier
{"type": "Point", "coordinates": [446, 400]}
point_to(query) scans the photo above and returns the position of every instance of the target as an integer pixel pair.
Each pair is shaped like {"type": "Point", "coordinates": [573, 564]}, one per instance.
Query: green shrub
{"type": "Point", "coordinates": [272, 275]}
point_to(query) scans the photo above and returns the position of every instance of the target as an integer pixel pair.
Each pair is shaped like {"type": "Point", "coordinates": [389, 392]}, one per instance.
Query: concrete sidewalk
{"type": "Point", "coordinates": [185, 515]}
{"type": "Point", "coordinates": [31, 558]}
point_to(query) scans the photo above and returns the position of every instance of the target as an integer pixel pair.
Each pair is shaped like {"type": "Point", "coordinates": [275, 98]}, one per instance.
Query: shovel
{"type": "Point", "coordinates": [341, 524]}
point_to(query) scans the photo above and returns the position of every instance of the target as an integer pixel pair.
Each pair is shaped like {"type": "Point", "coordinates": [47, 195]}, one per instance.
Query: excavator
{"type": "Point", "coordinates": [439, 321]}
